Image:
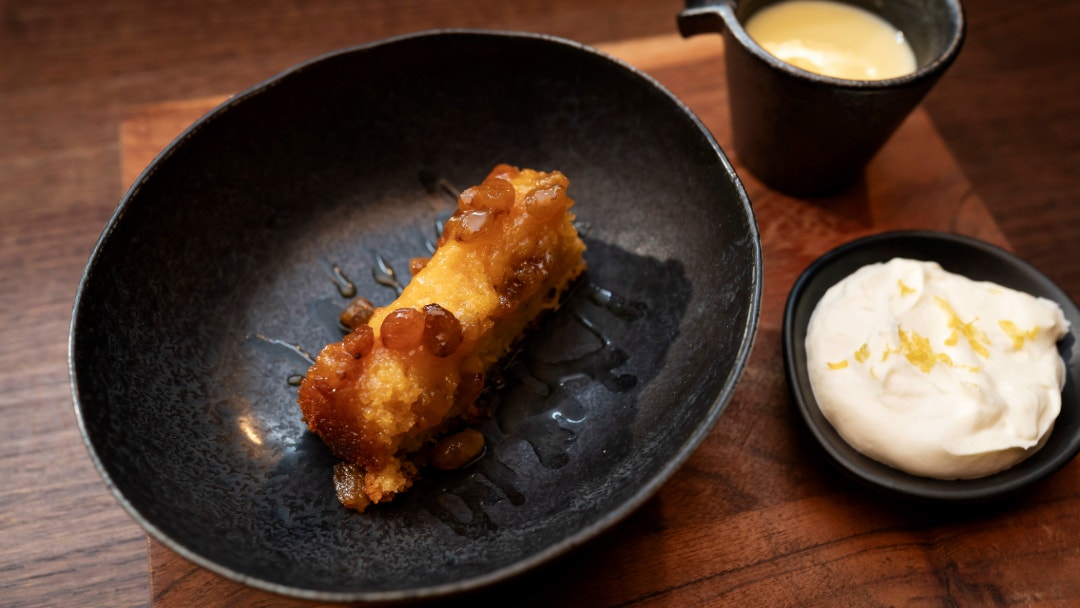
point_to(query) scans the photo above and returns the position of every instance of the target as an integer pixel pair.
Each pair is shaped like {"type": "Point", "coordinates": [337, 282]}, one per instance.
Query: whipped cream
{"type": "Point", "coordinates": [935, 374]}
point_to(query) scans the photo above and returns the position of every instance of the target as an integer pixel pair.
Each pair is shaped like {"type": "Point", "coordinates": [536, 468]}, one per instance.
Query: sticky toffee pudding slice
{"type": "Point", "coordinates": [398, 390]}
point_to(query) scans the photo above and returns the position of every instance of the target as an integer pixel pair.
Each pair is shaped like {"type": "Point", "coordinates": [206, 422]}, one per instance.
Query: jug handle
{"type": "Point", "coordinates": [706, 17]}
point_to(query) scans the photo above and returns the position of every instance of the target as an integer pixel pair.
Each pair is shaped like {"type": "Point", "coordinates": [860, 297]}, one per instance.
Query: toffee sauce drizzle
{"type": "Point", "coordinates": [345, 287]}
{"type": "Point", "coordinates": [274, 347]}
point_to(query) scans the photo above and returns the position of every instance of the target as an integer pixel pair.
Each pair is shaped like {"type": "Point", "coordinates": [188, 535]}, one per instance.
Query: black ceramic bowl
{"type": "Point", "coordinates": [232, 254]}
{"type": "Point", "coordinates": [976, 260]}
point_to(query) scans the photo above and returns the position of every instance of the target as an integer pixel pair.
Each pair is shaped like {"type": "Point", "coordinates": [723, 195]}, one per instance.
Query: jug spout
{"type": "Point", "coordinates": [706, 17]}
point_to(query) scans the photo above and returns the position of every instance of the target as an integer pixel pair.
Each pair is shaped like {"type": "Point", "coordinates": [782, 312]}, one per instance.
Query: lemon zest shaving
{"type": "Point", "coordinates": [976, 338]}
{"type": "Point", "coordinates": [904, 289]}
{"type": "Point", "coordinates": [840, 365]}
{"type": "Point", "coordinates": [916, 348]}
{"type": "Point", "coordinates": [863, 353]}
{"type": "Point", "coordinates": [1018, 335]}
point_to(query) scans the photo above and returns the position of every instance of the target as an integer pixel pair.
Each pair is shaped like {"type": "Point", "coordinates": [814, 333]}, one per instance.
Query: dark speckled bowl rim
{"type": "Point", "coordinates": [572, 541]}
{"type": "Point", "coordinates": [880, 477]}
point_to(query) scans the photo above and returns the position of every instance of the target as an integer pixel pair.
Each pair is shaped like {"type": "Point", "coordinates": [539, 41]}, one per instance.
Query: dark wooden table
{"type": "Point", "coordinates": [88, 90]}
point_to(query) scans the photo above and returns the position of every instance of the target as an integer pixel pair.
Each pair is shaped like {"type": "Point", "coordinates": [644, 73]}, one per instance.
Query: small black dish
{"type": "Point", "coordinates": [962, 255]}
{"type": "Point", "coordinates": [233, 253]}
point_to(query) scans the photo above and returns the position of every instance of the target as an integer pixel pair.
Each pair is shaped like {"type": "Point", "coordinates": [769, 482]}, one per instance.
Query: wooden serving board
{"type": "Point", "coordinates": [752, 518]}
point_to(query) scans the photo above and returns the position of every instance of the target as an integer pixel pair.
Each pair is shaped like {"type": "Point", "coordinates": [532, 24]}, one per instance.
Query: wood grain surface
{"type": "Point", "coordinates": [89, 92]}
{"type": "Point", "coordinates": [752, 513]}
